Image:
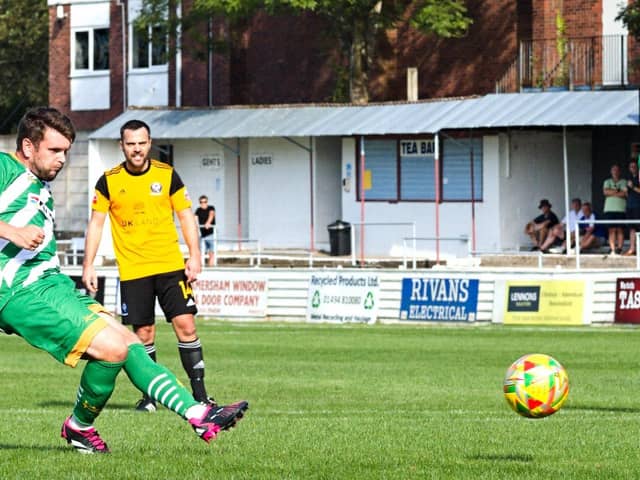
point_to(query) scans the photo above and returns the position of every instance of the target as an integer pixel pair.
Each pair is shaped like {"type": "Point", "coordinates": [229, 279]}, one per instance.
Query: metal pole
{"type": "Point", "coordinates": [437, 180]}
{"type": "Point", "coordinates": [311, 194]}
{"type": "Point", "coordinates": [566, 187]}
{"type": "Point", "coordinates": [239, 194]}
{"type": "Point", "coordinates": [362, 209]}
{"type": "Point", "coordinates": [473, 196]}
{"type": "Point", "coordinates": [577, 245]}
{"type": "Point", "coordinates": [413, 234]}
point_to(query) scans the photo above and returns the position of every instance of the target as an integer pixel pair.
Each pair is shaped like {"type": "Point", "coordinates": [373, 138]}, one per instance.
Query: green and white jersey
{"type": "Point", "coordinates": [24, 200]}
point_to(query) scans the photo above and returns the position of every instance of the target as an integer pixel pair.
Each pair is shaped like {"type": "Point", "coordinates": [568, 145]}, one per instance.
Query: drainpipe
{"type": "Point", "coordinates": [121, 4]}
{"type": "Point", "coordinates": [178, 59]}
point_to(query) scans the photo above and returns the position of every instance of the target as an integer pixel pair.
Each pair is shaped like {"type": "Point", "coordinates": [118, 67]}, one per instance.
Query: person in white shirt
{"type": "Point", "coordinates": [556, 238]}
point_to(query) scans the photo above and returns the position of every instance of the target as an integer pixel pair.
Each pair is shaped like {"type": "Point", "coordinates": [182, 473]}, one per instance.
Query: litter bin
{"type": "Point", "coordinates": [340, 238]}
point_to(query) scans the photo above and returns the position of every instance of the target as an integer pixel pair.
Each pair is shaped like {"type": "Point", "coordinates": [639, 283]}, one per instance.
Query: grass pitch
{"type": "Point", "coordinates": [344, 401]}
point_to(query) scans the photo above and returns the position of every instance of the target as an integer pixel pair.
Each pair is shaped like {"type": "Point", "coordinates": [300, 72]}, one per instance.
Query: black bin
{"type": "Point", "coordinates": [340, 238]}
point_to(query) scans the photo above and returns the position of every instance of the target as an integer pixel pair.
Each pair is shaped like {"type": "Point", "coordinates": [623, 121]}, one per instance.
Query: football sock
{"type": "Point", "coordinates": [96, 386]}
{"type": "Point", "coordinates": [193, 364]}
{"type": "Point", "coordinates": [150, 348]}
{"type": "Point", "coordinates": [157, 381]}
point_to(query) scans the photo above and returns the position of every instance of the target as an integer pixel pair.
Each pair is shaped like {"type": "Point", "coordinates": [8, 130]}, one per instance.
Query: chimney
{"type": "Point", "coordinates": [412, 84]}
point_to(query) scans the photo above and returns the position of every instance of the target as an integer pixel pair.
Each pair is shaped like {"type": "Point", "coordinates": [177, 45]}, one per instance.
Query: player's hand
{"type": "Point", "coordinates": [90, 278]}
{"type": "Point", "coordinates": [192, 269]}
{"type": "Point", "coordinates": [28, 237]}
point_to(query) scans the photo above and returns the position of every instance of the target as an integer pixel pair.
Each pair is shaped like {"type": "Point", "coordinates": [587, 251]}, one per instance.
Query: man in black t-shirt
{"type": "Point", "coordinates": [539, 227]}
{"type": "Point", "coordinates": [206, 218]}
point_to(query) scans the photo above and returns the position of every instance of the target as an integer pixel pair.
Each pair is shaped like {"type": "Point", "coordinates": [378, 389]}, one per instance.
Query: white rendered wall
{"type": "Point", "coordinates": [279, 200]}
{"type": "Point", "coordinates": [531, 168]}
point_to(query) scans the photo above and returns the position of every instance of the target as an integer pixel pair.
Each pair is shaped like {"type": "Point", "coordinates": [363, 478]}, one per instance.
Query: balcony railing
{"type": "Point", "coordinates": [568, 64]}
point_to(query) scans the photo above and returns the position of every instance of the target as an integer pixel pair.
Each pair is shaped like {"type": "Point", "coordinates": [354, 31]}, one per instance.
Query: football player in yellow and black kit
{"type": "Point", "coordinates": [140, 196]}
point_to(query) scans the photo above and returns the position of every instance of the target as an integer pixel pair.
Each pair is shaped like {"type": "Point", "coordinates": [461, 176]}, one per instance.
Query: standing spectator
{"type": "Point", "coordinates": [140, 196]}
{"type": "Point", "coordinates": [615, 204]}
{"type": "Point", "coordinates": [539, 227]}
{"type": "Point", "coordinates": [633, 205]}
{"type": "Point", "coordinates": [556, 237]}
{"type": "Point", "coordinates": [592, 235]}
{"type": "Point", "coordinates": [206, 218]}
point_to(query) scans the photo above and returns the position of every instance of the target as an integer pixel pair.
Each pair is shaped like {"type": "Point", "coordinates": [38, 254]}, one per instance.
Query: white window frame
{"type": "Point", "coordinates": [164, 67]}
{"type": "Point", "coordinates": [87, 71]}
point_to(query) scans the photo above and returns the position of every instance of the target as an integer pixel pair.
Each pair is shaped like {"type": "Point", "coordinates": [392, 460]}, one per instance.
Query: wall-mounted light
{"type": "Point", "coordinates": [60, 15]}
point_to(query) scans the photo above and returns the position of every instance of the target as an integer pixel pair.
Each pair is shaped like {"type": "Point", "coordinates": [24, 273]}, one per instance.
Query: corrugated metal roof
{"type": "Point", "coordinates": [619, 107]}
{"type": "Point", "coordinates": [496, 110]}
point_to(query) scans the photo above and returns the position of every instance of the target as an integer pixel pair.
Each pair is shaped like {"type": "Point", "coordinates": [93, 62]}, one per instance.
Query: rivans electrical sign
{"type": "Point", "coordinates": [439, 299]}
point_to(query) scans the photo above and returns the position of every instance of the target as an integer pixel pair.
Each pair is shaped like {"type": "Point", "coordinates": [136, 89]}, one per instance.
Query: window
{"type": "Point", "coordinates": [149, 48]}
{"type": "Point", "coordinates": [91, 49]}
{"type": "Point", "coordinates": [457, 173]}
{"type": "Point", "coordinates": [404, 169]}
{"type": "Point", "coordinates": [164, 153]}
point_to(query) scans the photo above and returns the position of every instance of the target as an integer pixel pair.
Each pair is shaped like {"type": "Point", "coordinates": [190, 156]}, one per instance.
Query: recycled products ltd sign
{"type": "Point", "coordinates": [343, 297]}
{"type": "Point", "coordinates": [439, 299]}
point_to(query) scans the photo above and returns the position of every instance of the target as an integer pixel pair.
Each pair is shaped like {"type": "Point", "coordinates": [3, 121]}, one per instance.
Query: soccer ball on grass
{"type": "Point", "coordinates": [536, 385]}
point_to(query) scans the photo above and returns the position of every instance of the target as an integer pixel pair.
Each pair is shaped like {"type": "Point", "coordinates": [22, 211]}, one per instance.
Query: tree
{"type": "Point", "coordinates": [355, 23]}
{"type": "Point", "coordinates": [24, 34]}
{"type": "Point", "coordinates": [630, 17]}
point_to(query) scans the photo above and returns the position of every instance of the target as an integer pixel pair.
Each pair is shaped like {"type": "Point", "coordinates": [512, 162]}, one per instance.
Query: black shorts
{"type": "Point", "coordinates": [138, 298]}
{"type": "Point", "coordinates": [633, 213]}
{"type": "Point", "coordinates": [614, 216]}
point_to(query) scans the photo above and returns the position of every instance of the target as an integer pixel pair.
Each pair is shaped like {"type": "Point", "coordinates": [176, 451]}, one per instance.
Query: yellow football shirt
{"type": "Point", "coordinates": [140, 208]}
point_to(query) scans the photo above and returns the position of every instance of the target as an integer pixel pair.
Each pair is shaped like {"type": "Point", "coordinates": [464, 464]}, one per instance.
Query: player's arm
{"type": "Point", "coordinates": [28, 237]}
{"type": "Point", "coordinates": [91, 244]}
{"type": "Point", "coordinates": [192, 239]}
{"type": "Point", "coordinates": [99, 209]}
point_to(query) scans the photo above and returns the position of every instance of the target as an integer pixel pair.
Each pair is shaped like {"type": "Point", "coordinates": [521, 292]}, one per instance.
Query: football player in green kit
{"type": "Point", "coordinates": [42, 305]}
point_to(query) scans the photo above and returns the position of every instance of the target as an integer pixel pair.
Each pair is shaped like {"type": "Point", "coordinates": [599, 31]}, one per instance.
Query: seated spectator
{"type": "Point", "coordinates": [556, 237]}
{"type": "Point", "coordinates": [539, 227]}
{"type": "Point", "coordinates": [592, 235]}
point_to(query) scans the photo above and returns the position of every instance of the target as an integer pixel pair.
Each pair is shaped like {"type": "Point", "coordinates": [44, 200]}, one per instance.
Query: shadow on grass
{"type": "Point", "coordinates": [598, 408]}
{"type": "Point", "coordinates": [110, 405]}
{"type": "Point", "coordinates": [502, 457]}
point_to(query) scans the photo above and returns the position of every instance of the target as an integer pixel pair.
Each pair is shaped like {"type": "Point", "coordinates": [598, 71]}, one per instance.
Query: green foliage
{"type": "Point", "coordinates": [24, 34]}
{"type": "Point", "coordinates": [344, 402]}
{"type": "Point", "coordinates": [630, 17]}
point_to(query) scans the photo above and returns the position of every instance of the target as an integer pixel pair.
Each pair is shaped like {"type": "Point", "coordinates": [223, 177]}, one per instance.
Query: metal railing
{"type": "Point", "coordinates": [605, 222]}
{"type": "Point", "coordinates": [377, 224]}
{"type": "Point", "coordinates": [568, 63]}
{"type": "Point", "coordinates": [461, 238]}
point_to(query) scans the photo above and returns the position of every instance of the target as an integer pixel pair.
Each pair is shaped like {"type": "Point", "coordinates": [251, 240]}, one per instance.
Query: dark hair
{"type": "Point", "coordinates": [134, 125]}
{"type": "Point", "coordinates": [203, 197]}
{"type": "Point", "coordinates": [576, 200]}
{"type": "Point", "coordinates": [587, 204]}
{"type": "Point", "coordinates": [33, 124]}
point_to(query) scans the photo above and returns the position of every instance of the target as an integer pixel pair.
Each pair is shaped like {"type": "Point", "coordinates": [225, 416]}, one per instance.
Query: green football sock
{"type": "Point", "coordinates": [157, 381]}
{"type": "Point", "coordinates": [96, 386]}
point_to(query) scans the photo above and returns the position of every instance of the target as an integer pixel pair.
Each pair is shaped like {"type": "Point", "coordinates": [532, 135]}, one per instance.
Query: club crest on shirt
{"type": "Point", "coordinates": [156, 188]}
{"type": "Point", "coordinates": [40, 204]}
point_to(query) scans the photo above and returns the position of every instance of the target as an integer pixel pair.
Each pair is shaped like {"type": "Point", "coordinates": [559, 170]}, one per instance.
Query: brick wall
{"type": "Point", "coordinates": [60, 68]}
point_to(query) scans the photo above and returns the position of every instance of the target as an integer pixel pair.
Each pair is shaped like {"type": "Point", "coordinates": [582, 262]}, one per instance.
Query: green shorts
{"type": "Point", "coordinates": [52, 315]}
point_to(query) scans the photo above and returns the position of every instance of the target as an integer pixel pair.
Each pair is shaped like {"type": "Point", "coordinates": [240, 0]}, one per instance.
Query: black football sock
{"type": "Point", "coordinates": [193, 363]}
